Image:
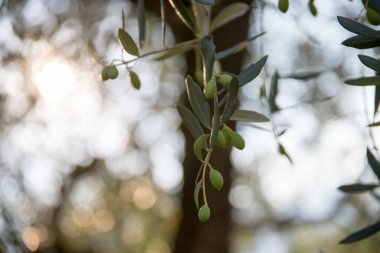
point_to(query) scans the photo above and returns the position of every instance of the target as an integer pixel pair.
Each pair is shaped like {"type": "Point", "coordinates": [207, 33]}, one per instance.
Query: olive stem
{"type": "Point", "coordinates": [204, 167]}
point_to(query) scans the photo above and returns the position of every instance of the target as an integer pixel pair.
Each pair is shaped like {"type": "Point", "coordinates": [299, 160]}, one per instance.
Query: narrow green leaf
{"type": "Point", "coordinates": [361, 42]}
{"type": "Point", "coordinates": [134, 79]}
{"type": "Point", "coordinates": [364, 81]}
{"type": "Point", "coordinates": [196, 193]}
{"type": "Point", "coordinates": [216, 179]}
{"type": "Point", "coordinates": [230, 107]}
{"type": "Point", "coordinates": [356, 27]}
{"type": "Point", "coordinates": [128, 43]}
{"type": "Point", "coordinates": [205, 2]}
{"type": "Point", "coordinates": [204, 213]}
{"type": "Point", "coordinates": [190, 121]}
{"type": "Point", "coordinates": [357, 188]}
{"type": "Point", "coordinates": [183, 13]}
{"type": "Point", "coordinates": [283, 152]}
{"type": "Point", "coordinates": [304, 76]}
{"type": "Point", "coordinates": [377, 98]}
{"type": "Point", "coordinates": [208, 57]}
{"type": "Point", "coordinates": [312, 8]}
{"type": "Point", "coordinates": [362, 234]}
{"type": "Point", "coordinates": [273, 93]}
{"type": "Point", "coordinates": [199, 145]}
{"type": "Point", "coordinates": [370, 62]}
{"type": "Point", "coordinates": [252, 71]}
{"type": "Point", "coordinates": [176, 50]}
{"type": "Point", "coordinates": [236, 48]}
{"type": "Point", "coordinates": [374, 163]}
{"type": "Point", "coordinates": [283, 5]}
{"type": "Point", "coordinates": [248, 116]}
{"type": "Point", "coordinates": [227, 14]}
{"type": "Point", "coordinates": [141, 21]}
{"type": "Point", "coordinates": [375, 124]}
{"type": "Point", "coordinates": [215, 123]}
{"type": "Point", "coordinates": [198, 101]}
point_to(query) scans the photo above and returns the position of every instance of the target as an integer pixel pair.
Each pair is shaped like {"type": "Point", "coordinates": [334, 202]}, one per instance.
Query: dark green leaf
{"type": "Point", "coordinates": [252, 71]}
{"type": "Point", "coordinates": [283, 5]}
{"type": "Point", "coordinates": [208, 56]}
{"type": "Point", "coordinates": [141, 21]}
{"type": "Point", "coordinates": [206, 2]}
{"type": "Point", "coordinates": [248, 116]}
{"type": "Point", "coordinates": [128, 43]}
{"type": "Point", "coordinates": [233, 89]}
{"type": "Point", "coordinates": [183, 13]}
{"type": "Point", "coordinates": [375, 124]}
{"type": "Point", "coordinates": [236, 48]}
{"type": "Point", "coordinates": [364, 81]}
{"type": "Point", "coordinates": [198, 146]}
{"type": "Point", "coordinates": [190, 121]}
{"type": "Point", "coordinates": [362, 234]}
{"type": "Point", "coordinates": [215, 123]}
{"type": "Point", "coordinates": [374, 163]}
{"type": "Point", "coordinates": [283, 152]}
{"type": "Point", "coordinates": [134, 79]}
{"type": "Point", "coordinates": [273, 93]}
{"type": "Point", "coordinates": [312, 8]}
{"type": "Point", "coordinates": [370, 62]}
{"type": "Point", "coordinates": [356, 27]}
{"type": "Point", "coordinates": [361, 42]}
{"type": "Point", "coordinates": [198, 101]}
{"type": "Point", "coordinates": [227, 14]}
{"type": "Point", "coordinates": [303, 75]}
{"type": "Point", "coordinates": [196, 193]}
{"type": "Point", "coordinates": [357, 188]}
{"type": "Point", "coordinates": [377, 98]}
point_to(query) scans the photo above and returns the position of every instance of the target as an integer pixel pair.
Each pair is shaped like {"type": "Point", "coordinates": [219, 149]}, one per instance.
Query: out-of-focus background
{"type": "Point", "coordinates": [92, 166]}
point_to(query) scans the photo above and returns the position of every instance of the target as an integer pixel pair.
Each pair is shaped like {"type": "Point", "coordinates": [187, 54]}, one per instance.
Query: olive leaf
{"type": "Point", "coordinates": [198, 101]}
{"type": "Point", "coordinates": [312, 8]}
{"type": "Point", "coordinates": [134, 79]}
{"type": "Point", "coordinates": [128, 43]}
{"type": "Point", "coordinates": [227, 14]}
{"type": "Point", "coordinates": [230, 107]}
{"type": "Point", "coordinates": [196, 193]}
{"type": "Point", "coordinates": [283, 152]}
{"type": "Point", "coordinates": [283, 5]}
{"type": "Point", "coordinates": [183, 13]}
{"type": "Point", "coordinates": [362, 234]}
{"type": "Point", "coordinates": [273, 93]}
{"type": "Point", "coordinates": [370, 62]}
{"type": "Point", "coordinates": [252, 71]}
{"type": "Point", "coordinates": [199, 145]}
{"type": "Point", "coordinates": [248, 116]}
{"type": "Point", "coordinates": [356, 27]}
{"type": "Point", "coordinates": [364, 81]}
{"type": "Point", "coordinates": [141, 21]}
{"type": "Point", "coordinates": [190, 121]}
{"type": "Point", "coordinates": [362, 42]}
{"type": "Point", "coordinates": [175, 50]}
{"type": "Point", "coordinates": [374, 163]}
{"type": "Point", "coordinates": [357, 188]}
{"type": "Point", "coordinates": [208, 56]}
{"type": "Point", "coordinates": [215, 123]}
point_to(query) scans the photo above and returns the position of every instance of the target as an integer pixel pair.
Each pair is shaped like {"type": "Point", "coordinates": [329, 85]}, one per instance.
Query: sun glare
{"type": "Point", "coordinates": [55, 78]}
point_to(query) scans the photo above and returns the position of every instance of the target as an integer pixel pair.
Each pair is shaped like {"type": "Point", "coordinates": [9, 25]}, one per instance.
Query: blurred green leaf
{"type": "Point", "coordinates": [183, 13]}
{"type": "Point", "coordinates": [198, 101]}
{"type": "Point", "coordinates": [370, 62]}
{"type": "Point", "coordinates": [273, 93]}
{"type": "Point", "coordinates": [303, 75]}
{"type": "Point", "coordinates": [364, 81]}
{"type": "Point", "coordinates": [236, 48]}
{"type": "Point", "coordinates": [208, 56]}
{"type": "Point", "coordinates": [375, 124]}
{"type": "Point", "coordinates": [230, 107]}
{"type": "Point", "coordinates": [252, 71]}
{"type": "Point", "coordinates": [361, 42]}
{"type": "Point", "coordinates": [178, 49]}
{"type": "Point", "coordinates": [357, 188]}
{"type": "Point", "coordinates": [199, 145]}
{"type": "Point", "coordinates": [227, 14]}
{"type": "Point", "coordinates": [248, 116]}
{"type": "Point", "coordinates": [190, 121]}
{"type": "Point", "coordinates": [374, 163]}
{"type": "Point", "coordinates": [358, 28]}
{"type": "Point", "coordinates": [283, 5]}
{"type": "Point", "coordinates": [377, 98]}
{"type": "Point", "coordinates": [215, 123]}
{"type": "Point", "coordinates": [283, 152]}
{"type": "Point", "coordinates": [196, 193]}
{"type": "Point", "coordinates": [134, 79]}
{"type": "Point", "coordinates": [362, 234]}
{"type": "Point", "coordinates": [205, 2]}
{"type": "Point", "coordinates": [141, 21]}
{"type": "Point", "coordinates": [128, 43]}
{"type": "Point", "coordinates": [312, 8]}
